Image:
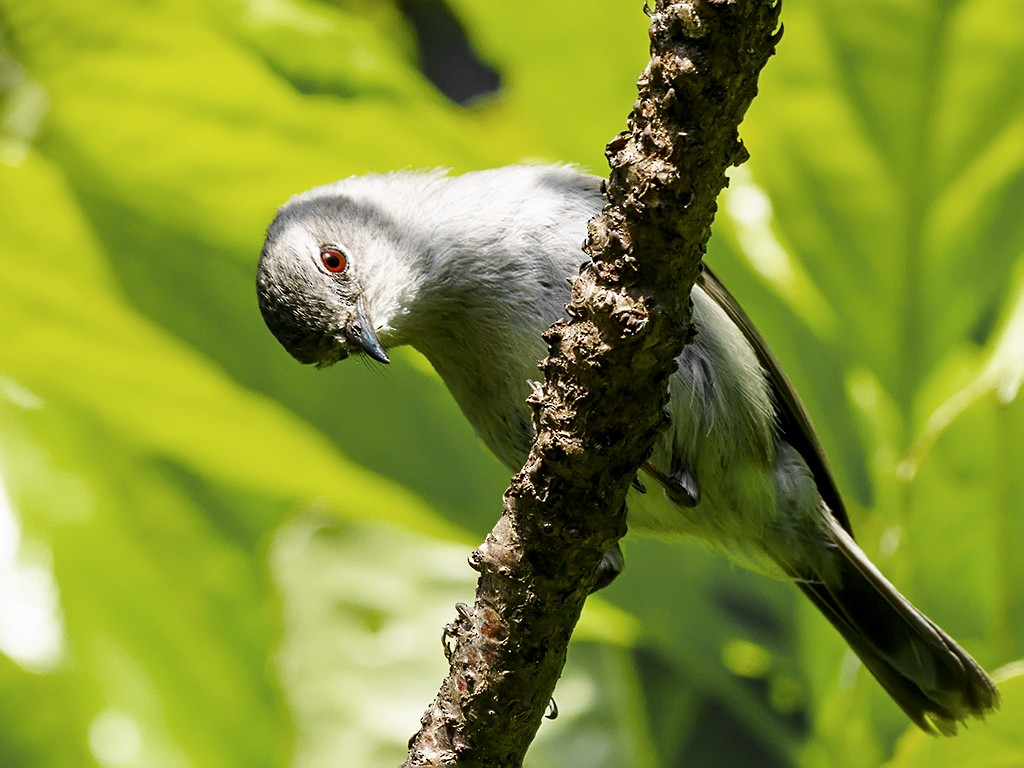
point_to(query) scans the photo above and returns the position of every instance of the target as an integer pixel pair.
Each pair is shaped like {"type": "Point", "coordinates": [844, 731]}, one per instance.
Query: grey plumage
{"type": "Point", "coordinates": [471, 269]}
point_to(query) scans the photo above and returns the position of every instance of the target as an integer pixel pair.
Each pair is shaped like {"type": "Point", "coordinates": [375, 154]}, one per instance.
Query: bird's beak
{"type": "Point", "coordinates": [360, 333]}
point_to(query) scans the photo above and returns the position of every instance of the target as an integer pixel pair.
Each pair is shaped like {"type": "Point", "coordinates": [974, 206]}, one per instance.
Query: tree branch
{"type": "Point", "coordinates": [604, 399]}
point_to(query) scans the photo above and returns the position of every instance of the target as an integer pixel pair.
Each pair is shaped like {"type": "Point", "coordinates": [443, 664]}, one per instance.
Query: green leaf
{"type": "Point", "coordinates": [898, 193]}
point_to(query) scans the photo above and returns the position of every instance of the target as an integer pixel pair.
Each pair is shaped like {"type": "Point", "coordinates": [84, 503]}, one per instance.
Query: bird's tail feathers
{"type": "Point", "coordinates": [933, 679]}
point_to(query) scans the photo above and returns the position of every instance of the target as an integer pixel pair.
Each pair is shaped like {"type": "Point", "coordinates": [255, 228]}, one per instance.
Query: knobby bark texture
{"type": "Point", "coordinates": [604, 399]}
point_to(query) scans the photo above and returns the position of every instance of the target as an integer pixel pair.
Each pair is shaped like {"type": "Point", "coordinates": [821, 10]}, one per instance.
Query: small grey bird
{"type": "Point", "coordinates": [471, 269]}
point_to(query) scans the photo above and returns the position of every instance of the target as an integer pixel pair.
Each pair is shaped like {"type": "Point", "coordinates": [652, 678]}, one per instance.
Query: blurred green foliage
{"type": "Point", "coordinates": [211, 556]}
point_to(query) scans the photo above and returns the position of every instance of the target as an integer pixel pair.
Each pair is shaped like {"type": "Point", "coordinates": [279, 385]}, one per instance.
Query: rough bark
{"type": "Point", "coordinates": [603, 402]}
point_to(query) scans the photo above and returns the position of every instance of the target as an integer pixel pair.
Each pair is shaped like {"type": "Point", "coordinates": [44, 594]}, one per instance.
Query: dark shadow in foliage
{"type": "Point", "coordinates": [447, 57]}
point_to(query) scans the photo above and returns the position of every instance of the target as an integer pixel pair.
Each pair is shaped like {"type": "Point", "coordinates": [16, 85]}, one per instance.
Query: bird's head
{"type": "Point", "coordinates": [308, 283]}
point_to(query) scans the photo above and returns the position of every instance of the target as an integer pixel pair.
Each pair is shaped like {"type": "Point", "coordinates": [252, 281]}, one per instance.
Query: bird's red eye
{"type": "Point", "coordinates": [333, 259]}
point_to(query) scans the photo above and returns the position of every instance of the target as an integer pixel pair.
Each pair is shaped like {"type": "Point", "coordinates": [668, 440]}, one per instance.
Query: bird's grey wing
{"type": "Point", "coordinates": [793, 422]}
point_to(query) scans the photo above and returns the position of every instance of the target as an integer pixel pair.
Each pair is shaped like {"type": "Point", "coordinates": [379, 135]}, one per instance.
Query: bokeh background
{"type": "Point", "coordinates": [212, 556]}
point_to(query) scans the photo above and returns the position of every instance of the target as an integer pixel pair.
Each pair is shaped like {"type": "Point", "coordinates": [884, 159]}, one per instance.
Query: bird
{"type": "Point", "coordinates": [470, 269]}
